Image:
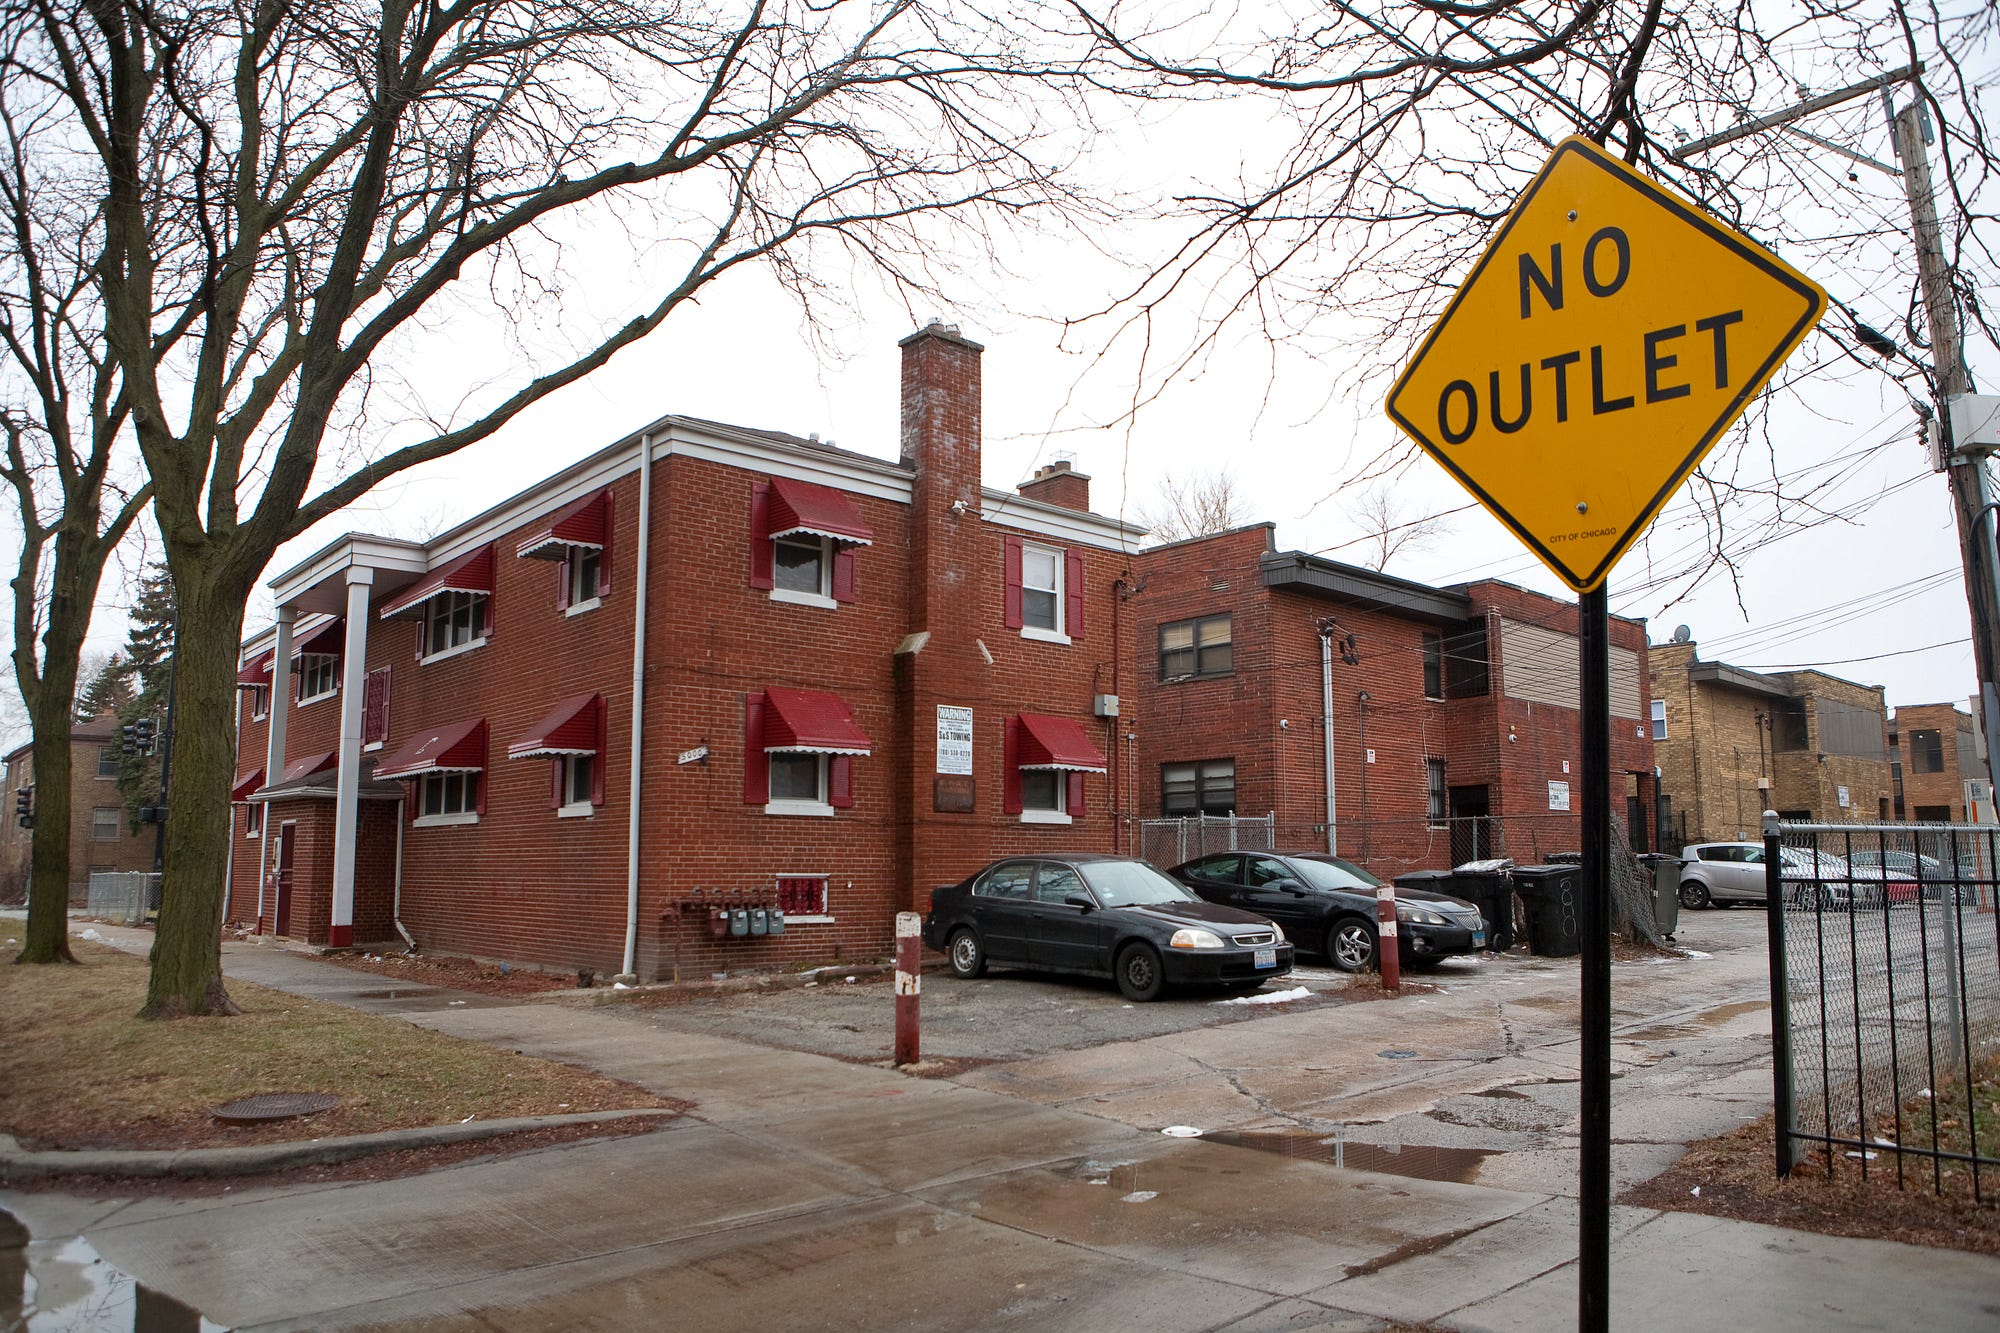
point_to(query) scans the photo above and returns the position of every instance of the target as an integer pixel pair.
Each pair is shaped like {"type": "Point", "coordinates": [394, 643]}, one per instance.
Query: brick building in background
{"type": "Point", "coordinates": [704, 662]}
{"type": "Point", "coordinates": [1934, 751]}
{"type": "Point", "coordinates": [1453, 729]}
{"type": "Point", "coordinates": [101, 837]}
{"type": "Point", "coordinates": [1733, 743]}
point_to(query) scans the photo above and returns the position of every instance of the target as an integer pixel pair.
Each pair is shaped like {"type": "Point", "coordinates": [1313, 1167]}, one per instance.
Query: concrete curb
{"type": "Point", "coordinates": [18, 1164]}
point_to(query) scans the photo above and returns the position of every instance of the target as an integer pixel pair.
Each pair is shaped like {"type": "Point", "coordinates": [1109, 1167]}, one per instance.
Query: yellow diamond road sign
{"type": "Point", "coordinates": [1605, 340]}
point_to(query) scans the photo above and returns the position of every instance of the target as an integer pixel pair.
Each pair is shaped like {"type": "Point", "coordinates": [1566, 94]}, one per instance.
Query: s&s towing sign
{"type": "Point", "coordinates": [1604, 341]}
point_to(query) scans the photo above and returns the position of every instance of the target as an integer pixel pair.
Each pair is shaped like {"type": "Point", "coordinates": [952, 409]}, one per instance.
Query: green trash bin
{"type": "Point", "coordinates": [1666, 870]}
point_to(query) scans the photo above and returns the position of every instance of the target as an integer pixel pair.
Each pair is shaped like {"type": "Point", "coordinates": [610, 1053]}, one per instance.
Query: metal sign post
{"type": "Point", "coordinates": [1600, 347]}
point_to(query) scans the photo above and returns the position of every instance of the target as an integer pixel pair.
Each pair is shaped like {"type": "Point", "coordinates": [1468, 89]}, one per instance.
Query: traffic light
{"type": "Point", "coordinates": [130, 743]}
{"type": "Point", "coordinates": [24, 807]}
{"type": "Point", "coordinates": [144, 731]}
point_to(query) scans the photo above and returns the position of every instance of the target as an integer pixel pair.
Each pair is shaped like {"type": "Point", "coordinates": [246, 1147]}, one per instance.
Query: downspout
{"type": "Point", "coordinates": [1326, 713]}
{"type": "Point", "coordinates": [396, 912]}
{"type": "Point", "coordinates": [630, 971]}
{"type": "Point", "coordinates": [1117, 657]}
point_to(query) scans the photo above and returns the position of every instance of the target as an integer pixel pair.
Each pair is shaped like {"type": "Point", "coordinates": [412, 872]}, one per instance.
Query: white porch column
{"type": "Point", "coordinates": [277, 711]}
{"type": "Point", "coordinates": [347, 789]}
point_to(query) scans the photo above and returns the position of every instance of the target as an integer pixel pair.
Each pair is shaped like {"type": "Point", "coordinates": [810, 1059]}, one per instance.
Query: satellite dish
{"type": "Point", "coordinates": [1682, 634]}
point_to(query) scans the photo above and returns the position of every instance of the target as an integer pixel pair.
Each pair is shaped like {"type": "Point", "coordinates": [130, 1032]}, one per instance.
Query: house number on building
{"type": "Point", "coordinates": [954, 740]}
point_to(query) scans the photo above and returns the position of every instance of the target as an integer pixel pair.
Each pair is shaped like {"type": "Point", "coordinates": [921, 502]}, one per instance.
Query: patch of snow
{"type": "Point", "coordinates": [458, 1001]}
{"type": "Point", "coordinates": [619, 985]}
{"type": "Point", "coordinates": [1269, 997]}
{"type": "Point", "coordinates": [1143, 1196]}
{"type": "Point", "coordinates": [90, 934]}
{"type": "Point", "coordinates": [1695, 953]}
{"type": "Point", "coordinates": [1696, 1191]}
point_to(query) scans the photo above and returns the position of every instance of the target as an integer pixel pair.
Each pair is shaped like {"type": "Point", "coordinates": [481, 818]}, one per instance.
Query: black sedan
{"type": "Point", "coordinates": [1328, 904]}
{"type": "Point", "coordinates": [1100, 916]}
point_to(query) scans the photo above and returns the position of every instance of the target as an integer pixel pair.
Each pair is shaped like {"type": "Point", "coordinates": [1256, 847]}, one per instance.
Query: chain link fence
{"type": "Point", "coordinates": [123, 897]}
{"type": "Point", "coordinates": [1885, 963]}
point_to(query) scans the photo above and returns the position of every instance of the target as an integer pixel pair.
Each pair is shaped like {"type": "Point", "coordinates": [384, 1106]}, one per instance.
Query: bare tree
{"type": "Point", "coordinates": [248, 217]}
{"type": "Point", "coordinates": [1187, 507]}
{"type": "Point", "coordinates": [1390, 528]}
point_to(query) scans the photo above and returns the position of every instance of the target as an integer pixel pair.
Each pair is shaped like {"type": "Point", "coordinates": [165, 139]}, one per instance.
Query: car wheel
{"type": "Point", "coordinates": [1694, 895]}
{"type": "Point", "coordinates": [967, 957]}
{"type": "Point", "coordinates": [1350, 945]}
{"type": "Point", "coordinates": [1140, 976]}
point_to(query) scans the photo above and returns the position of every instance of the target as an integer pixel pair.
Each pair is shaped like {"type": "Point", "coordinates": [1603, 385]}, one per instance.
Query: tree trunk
{"type": "Point", "coordinates": [187, 948]}
{"type": "Point", "coordinates": [48, 885]}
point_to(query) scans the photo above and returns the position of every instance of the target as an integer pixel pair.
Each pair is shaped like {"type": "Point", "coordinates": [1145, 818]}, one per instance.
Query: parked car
{"type": "Point", "coordinates": [1936, 877]}
{"type": "Point", "coordinates": [1328, 904]}
{"type": "Point", "coordinates": [1715, 874]}
{"type": "Point", "coordinates": [1101, 916]}
{"type": "Point", "coordinates": [1821, 878]}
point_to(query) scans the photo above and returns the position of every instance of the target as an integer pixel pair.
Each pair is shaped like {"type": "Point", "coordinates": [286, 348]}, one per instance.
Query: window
{"type": "Point", "coordinates": [1045, 792]}
{"type": "Point", "coordinates": [802, 542]}
{"type": "Point", "coordinates": [1006, 881]}
{"type": "Point", "coordinates": [1043, 760]}
{"type": "Point", "coordinates": [1433, 666]}
{"type": "Point", "coordinates": [800, 567]}
{"type": "Point", "coordinates": [802, 895]}
{"type": "Point", "coordinates": [1207, 787]}
{"type": "Point", "coordinates": [454, 620]}
{"type": "Point", "coordinates": [1659, 719]}
{"type": "Point", "coordinates": [579, 782]}
{"type": "Point", "coordinates": [798, 778]}
{"type": "Point", "coordinates": [253, 820]}
{"type": "Point", "coordinates": [107, 761]}
{"type": "Point", "coordinates": [1926, 751]}
{"type": "Point", "coordinates": [104, 823]}
{"type": "Point", "coordinates": [581, 571]}
{"type": "Point", "coordinates": [319, 677]}
{"type": "Point", "coordinates": [260, 702]}
{"type": "Point", "coordinates": [448, 794]}
{"type": "Point", "coordinates": [1044, 591]}
{"type": "Point", "coordinates": [1195, 648]}
{"type": "Point", "coordinates": [799, 748]}
{"type": "Point", "coordinates": [577, 540]}
{"type": "Point", "coordinates": [1056, 883]}
{"type": "Point", "coordinates": [1436, 808]}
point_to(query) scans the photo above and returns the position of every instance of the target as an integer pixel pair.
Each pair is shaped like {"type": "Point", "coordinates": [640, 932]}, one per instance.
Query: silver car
{"type": "Point", "coordinates": [1719, 873]}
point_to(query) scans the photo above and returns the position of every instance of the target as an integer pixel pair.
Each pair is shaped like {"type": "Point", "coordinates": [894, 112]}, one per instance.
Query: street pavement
{"type": "Point", "coordinates": [805, 1191]}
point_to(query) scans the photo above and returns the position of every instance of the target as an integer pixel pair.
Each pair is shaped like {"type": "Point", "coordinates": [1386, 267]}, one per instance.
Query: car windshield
{"type": "Point", "coordinates": [1334, 873]}
{"type": "Point", "coordinates": [1133, 884]}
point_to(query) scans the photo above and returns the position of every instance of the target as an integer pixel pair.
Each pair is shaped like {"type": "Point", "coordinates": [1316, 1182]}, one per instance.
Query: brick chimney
{"type": "Point", "coordinates": [941, 437]}
{"type": "Point", "coordinates": [1059, 483]}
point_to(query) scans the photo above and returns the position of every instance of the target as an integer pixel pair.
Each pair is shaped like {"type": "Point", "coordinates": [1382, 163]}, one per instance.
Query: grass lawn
{"type": "Point", "coordinates": [77, 1070]}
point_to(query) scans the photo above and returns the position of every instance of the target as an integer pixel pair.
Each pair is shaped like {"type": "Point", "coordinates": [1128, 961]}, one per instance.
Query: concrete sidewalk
{"type": "Point", "coordinates": [807, 1192]}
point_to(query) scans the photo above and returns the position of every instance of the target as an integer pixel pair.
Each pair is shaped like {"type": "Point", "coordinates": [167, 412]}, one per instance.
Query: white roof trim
{"type": "Point", "coordinates": [812, 749]}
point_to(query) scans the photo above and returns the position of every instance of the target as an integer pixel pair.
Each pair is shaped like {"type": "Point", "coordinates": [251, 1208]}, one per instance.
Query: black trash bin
{"type": "Point", "coordinates": [1492, 892]}
{"type": "Point", "coordinates": [1549, 896]}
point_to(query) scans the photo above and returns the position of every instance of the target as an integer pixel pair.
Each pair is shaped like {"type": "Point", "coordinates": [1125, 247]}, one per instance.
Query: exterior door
{"type": "Point", "coordinates": [281, 910]}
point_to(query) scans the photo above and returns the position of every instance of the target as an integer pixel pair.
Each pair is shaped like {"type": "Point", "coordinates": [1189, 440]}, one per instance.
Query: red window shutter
{"type": "Point", "coordinates": [1074, 805]}
{"type": "Point", "coordinates": [479, 799]}
{"type": "Point", "coordinates": [756, 764]}
{"type": "Point", "coordinates": [1012, 606]}
{"type": "Point", "coordinates": [375, 706]}
{"type": "Point", "coordinates": [761, 555]}
{"type": "Point", "coordinates": [492, 599]}
{"type": "Point", "coordinates": [563, 577]}
{"type": "Point", "coordinates": [597, 765]}
{"type": "Point", "coordinates": [604, 555]}
{"type": "Point", "coordinates": [840, 781]}
{"type": "Point", "coordinates": [1073, 593]}
{"type": "Point", "coordinates": [556, 792]}
{"type": "Point", "coordinates": [1010, 774]}
{"type": "Point", "coordinates": [843, 574]}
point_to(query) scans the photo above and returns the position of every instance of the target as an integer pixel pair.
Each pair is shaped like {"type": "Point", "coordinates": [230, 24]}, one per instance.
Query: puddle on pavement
{"type": "Point", "coordinates": [1421, 1163]}
{"type": "Point", "coordinates": [1694, 1027]}
{"type": "Point", "coordinates": [50, 1285]}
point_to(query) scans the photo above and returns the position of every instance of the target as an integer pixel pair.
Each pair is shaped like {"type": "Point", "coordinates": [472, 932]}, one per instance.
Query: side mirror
{"type": "Point", "coordinates": [1289, 886]}
{"type": "Point", "coordinates": [1079, 900]}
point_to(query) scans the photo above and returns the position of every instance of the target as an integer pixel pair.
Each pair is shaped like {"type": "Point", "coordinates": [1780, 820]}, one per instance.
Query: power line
{"type": "Point", "coordinates": [1849, 661]}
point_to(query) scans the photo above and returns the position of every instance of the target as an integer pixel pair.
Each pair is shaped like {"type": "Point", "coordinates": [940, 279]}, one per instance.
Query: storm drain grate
{"type": "Point", "coordinates": [275, 1106]}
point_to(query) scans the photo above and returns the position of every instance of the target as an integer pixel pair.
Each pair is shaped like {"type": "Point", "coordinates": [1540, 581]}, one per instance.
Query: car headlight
{"type": "Point", "coordinates": [1423, 916]}
{"type": "Point", "coordinates": [1279, 931]}
{"type": "Point", "coordinates": [1196, 939]}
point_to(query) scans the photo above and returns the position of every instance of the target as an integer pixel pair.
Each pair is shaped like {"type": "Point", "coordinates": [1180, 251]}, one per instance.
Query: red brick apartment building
{"type": "Point", "coordinates": [706, 664]}
{"type": "Point", "coordinates": [1425, 726]}
{"type": "Point", "coordinates": [100, 835]}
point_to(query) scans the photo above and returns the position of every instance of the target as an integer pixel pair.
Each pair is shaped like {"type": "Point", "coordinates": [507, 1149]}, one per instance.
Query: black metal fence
{"type": "Point", "coordinates": [1885, 986]}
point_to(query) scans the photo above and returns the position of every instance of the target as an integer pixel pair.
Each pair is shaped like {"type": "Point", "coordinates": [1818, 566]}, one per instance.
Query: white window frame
{"type": "Point", "coordinates": [822, 595]}
{"type": "Point", "coordinates": [311, 667]}
{"type": "Point", "coordinates": [467, 794]}
{"type": "Point", "coordinates": [820, 805]}
{"type": "Point", "coordinates": [445, 607]}
{"type": "Point", "coordinates": [110, 752]}
{"type": "Point", "coordinates": [253, 819]}
{"type": "Point", "coordinates": [579, 559]}
{"type": "Point", "coordinates": [97, 814]}
{"type": "Point", "coordinates": [260, 702]}
{"type": "Point", "coordinates": [1033, 812]}
{"type": "Point", "coordinates": [825, 897]}
{"type": "Point", "coordinates": [1659, 719]}
{"type": "Point", "coordinates": [576, 772]}
{"type": "Point", "coordinates": [1056, 591]}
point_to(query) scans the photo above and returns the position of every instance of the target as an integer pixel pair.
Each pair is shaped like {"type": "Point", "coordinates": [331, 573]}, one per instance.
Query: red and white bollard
{"type": "Point", "coordinates": [1388, 952]}
{"type": "Point", "coordinates": [909, 984]}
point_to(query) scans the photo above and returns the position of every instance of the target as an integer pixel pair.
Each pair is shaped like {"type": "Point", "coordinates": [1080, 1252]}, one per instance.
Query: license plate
{"type": "Point", "coordinates": [1266, 958]}
{"type": "Point", "coordinates": [1479, 939]}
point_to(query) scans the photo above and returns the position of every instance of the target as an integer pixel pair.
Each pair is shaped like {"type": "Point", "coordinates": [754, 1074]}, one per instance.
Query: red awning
{"type": "Point", "coordinates": [1057, 743]}
{"type": "Point", "coordinates": [817, 511]}
{"type": "Point", "coordinates": [570, 728]}
{"type": "Point", "coordinates": [811, 722]}
{"type": "Point", "coordinates": [325, 638]}
{"type": "Point", "coordinates": [257, 672]}
{"type": "Point", "coordinates": [471, 572]}
{"type": "Point", "coordinates": [306, 767]}
{"type": "Point", "coordinates": [579, 524]}
{"type": "Point", "coordinates": [457, 748]}
{"type": "Point", "coordinates": [244, 786]}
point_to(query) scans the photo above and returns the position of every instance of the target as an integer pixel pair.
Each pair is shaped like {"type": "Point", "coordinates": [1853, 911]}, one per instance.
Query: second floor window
{"type": "Point", "coordinates": [799, 565]}
{"type": "Point", "coordinates": [1659, 719]}
{"type": "Point", "coordinates": [453, 620]}
{"type": "Point", "coordinates": [1433, 666]}
{"type": "Point", "coordinates": [107, 761]}
{"type": "Point", "coordinates": [1190, 648]}
{"type": "Point", "coordinates": [319, 676]}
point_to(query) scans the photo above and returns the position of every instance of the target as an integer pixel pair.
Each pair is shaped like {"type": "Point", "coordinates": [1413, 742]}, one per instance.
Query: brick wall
{"type": "Point", "coordinates": [1943, 790]}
